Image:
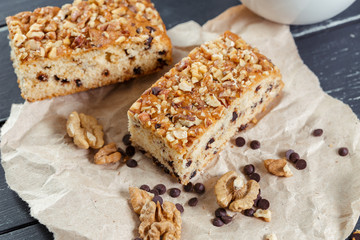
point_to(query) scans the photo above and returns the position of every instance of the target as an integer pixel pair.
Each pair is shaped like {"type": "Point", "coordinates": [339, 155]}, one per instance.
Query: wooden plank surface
{"type": "Point", "coordinates": [332, 53]}
{"type": "Point", "coordinates": [32, 232]}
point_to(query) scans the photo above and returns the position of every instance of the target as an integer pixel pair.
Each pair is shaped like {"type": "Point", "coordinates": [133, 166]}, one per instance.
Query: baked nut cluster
{"type": "Point", "coordinates": [158, 221]}
{"type": "Point", "coordinates": [51, 32]}
{"type": "Point", "coordinates": [85, 130]}
{"type": "Point", "coordinates": [193, 95]}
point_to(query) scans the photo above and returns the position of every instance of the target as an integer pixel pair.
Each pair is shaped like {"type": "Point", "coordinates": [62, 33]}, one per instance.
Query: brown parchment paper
{"type": "Point", "coordinates": [76, 199]}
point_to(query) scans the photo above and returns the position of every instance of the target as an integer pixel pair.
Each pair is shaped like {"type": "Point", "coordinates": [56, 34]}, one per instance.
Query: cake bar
{"type": "Point", "coordinates": [87, 44]}
{"type": "Point", "coordinates": [185, 119]}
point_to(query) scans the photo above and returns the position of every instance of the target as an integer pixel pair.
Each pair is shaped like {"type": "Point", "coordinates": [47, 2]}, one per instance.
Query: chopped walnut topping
{"type": "Point", "coordinates": [194, 94]}
{"type": "Point", "coordinates": [84, 25]}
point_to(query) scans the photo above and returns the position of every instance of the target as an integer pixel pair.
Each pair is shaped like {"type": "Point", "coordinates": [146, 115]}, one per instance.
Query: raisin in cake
{"type": "Point", "coordinates": [84, 45]}
{"type": "Point", "coordinates": [189, 114]}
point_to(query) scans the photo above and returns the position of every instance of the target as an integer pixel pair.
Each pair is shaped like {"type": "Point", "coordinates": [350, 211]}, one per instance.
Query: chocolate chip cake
{"type": "Point", "coordinates": [189, 114]}
{"type": "Point", "coordinates": [84, 45]}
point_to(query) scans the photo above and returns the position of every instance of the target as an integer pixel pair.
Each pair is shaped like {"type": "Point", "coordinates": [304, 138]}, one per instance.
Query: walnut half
{"type": "Point", "coordinates": [85, 130]}
{"type": "Point", "coordinates": [107, 154]}
{"type": "Point", "coordinates": [232, 191]}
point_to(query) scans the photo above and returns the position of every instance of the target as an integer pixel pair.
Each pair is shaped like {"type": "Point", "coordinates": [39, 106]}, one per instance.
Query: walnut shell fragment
{"type": "Point", "coordinates": [278, 167]}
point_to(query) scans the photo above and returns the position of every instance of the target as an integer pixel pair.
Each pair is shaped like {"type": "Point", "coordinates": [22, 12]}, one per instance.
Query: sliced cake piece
{"type": "Point", "coordinates": [189, 114]}
{"type": "Point", "coordinates": [84, 45]}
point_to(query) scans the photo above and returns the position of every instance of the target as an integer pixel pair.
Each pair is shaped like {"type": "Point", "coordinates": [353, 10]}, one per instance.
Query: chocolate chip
{"type": "Point", "coordinates": [288, 153]}
{"type": "Point", "coordinates": [256, 201]}
{"type": "Point", "coordinates": [258, 88]}
{"type": "Point", "coordinates": [155, 90]}
{"type": "Point", "coordinates": [151, 29]}
{"type": "Point", "coordinates": [193, 174]}
{"type": "Point", "coordinates": [56, 78]}
{"type": "Point", "coordinates": [131, 163]}
{"type": "Point", "coordinates": [130, 151]}
{"type": "Point", "coordinates": [249, 212]}
{"type": "Point", "coordinates": [42, 77]}
{"type": "Point", "coordinates": [234, 116]}
{"type": "Point", "coordinates": [318, 132]}
{"type": "Point", "coordinates": [105, 73]}
{"type": "Point", "coordinates": [157, 125]}
{"type": "Point", "coordinates": [145, 187]}
{"type": "Point", "coordinates": [138, 30]}
{"type": "Point", "coordinates": [161, 188]}
{"type": "Point", "coordinates": [199, 188]}
{"type": "Point", "coordinates": [193, 202]}
{"type": "Point", "coordinates": [343, 151]}
{"type": "Point", "coordinates": [249, 169]}
{"type": "Point", "coordinates": [209, 142]}
{"type": "Point", "coordinates": [64, 80]}
{"type": "Point", "coordinates": [122, 152]}
{"type": "Point", "coordinates": [157, 198]}
{"type": "Point", "coordinates": [137, 70]}
{"type": "Point", "coordinates": [179, 207]}
{"type": "Point", "coordinates": [226, 219]}
{"type": "Point", "coordinates": [78, 82]}
{"type": "Point", "coordinates": [163, 52]}
{"type": "Point", "coordinates": [174, 192]}
{"type": "Point", "coordinates": [154, 191]}
{"type": "Point", "coordinates": [217, 222]}
{"type": "Point", "coordinates": [294, 157]}
{"type": "Point", "coordinates": [243, 127]}
{"type": "Point", "coordinates": [126, 139]}
{"type": "Point", "coordinates": [188, 163]}
{"type": "Point", "coordinates": [239, 141]}
{"type": "Point", "coordinates": [255, 144]}
{"type": "Point", "coordinates": [255, 176]}
{"type": "Point", "coordinates": [148, 42]}
{"type": "Point", "coordinates": [263, 204]}
{"type": "Point", "coordinates": [220, 212]}
{"type": "Point", "coordinates": [188, 187]}
{"type": "Point", "coordinates": [300, 164]}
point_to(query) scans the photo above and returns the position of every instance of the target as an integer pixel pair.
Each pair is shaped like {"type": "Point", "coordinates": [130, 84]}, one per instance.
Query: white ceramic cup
{"type": "Point", "coordinates": [297, 11]}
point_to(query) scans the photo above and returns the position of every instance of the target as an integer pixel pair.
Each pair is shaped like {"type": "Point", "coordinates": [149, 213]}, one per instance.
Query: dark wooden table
{"type": "Point", "coordinates": [331, 49]}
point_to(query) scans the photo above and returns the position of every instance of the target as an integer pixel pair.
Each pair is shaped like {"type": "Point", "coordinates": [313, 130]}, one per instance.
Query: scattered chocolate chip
{"type": "Point", "coordinates": [255, 144]}
{"type": "Point", "coordinates": [122, 152]}
{"type": "Point", "coordinates": [256, 201]}
{"type": "Point", "coordinates": [157, 125]}
{"type": "Point", "coordinates": [300, 164]}
{"type": "Point", "coordinates": [288, 153]}
{"type": "Point", "coordinates": [234, 116]}
{"type": "Point", "coordinates": [174, 192]}
{"type": "Point", "coordinates": [179, 207]}
{"type": "Point", "coordinates": [217, 222]}
{"type": "Point", "coordinates": [145, 187]}
{"type": "Point", "coordinates": [318, 132]}
{"type": "Point", "coordinates": [193, 202]}
{"type": "Point", "coordinates": [343, 151]}
{"type": "Point", "coordinates": [157, 198]}
{"type": "Point", "coordinates": [220, 212]}
{"type": "Point", "coordinates": [56, 78]}
{"type": "Point", "coordinates": [199, 188]}
{"type": "Point", "coordinates": [154, 191]}
{"type": "Point", "coordinates": [155, 90]}
{"type": "Point", "coordinates": [130, 151]}
{"type": "Point", "coordinates": [255, 176]}
{"type": "Point", "coordinates": [226, 219]}
{"type": "Point", "coordinates": [188, 187]}
{"type": "Point", "coordinates": [161, 188]}
{"type": "Point", "coordinates": [294, 157]}
{"type": "Point", "coordinates": [249, 169]}
{"type": "Point", "coordinates": [137, 70]}
{"type": "Point", "coordinates": [78, 82]}
{"type": "Point", "coordinates": [42, 77]}
{"type": "Point", "coordinates": [263, 204]}
{"type": "Point", "coordinates": [239, 141]}
{"type": "Point", "coordinates": [249, 212]}
{"type": "Point", "coordinates": [131, 163]}
{"type": "Point", "coordinates": [126, 139]}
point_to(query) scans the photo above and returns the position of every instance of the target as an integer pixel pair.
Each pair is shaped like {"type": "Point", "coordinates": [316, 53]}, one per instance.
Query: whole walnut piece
{"type": "Point", "coordinates": [157, 221]}
{"type": "Point", "coordinates": [107, 154]}
{"type": "Point", "coordinates": [85, 131]}
{"type": "Point", "coordinates": [278, 167]}
{"type": "Point", "coordinates": [232, 191]}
